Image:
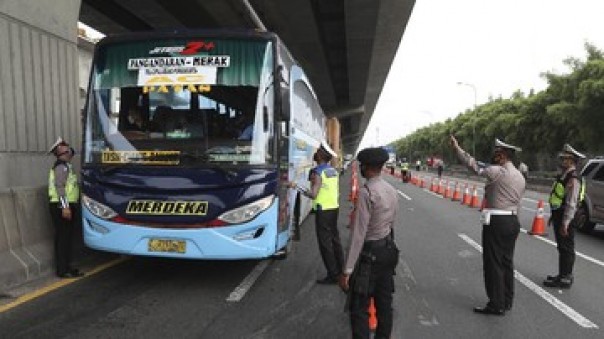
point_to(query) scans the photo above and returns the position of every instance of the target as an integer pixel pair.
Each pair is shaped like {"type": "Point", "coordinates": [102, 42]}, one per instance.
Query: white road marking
{"type": "Point", "coordinates": [404, 195]}
{"type": "Point", "coordinates": [240, 291]}
{"type": "Point", "coordinates": [562, 307]}
{"type": "Point", "coordinates": [434, 194]}
{"type": "Point", "coordinates": [579, 254]}
{"type": "Point", "coordinates": [535, 201]}
{"type": "Point", "coordinates": [534, 210]}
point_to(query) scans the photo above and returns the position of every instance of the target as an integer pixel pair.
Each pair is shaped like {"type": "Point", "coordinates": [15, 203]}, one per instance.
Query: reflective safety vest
{"type": "Point", "coordinates": [558, 194]}
{"type": "Point", "coordinates": [405, 166]}
{"type": "Point", "coordinates": [327, 198]}
{"type": "Point", "coordinates": [72, 191]}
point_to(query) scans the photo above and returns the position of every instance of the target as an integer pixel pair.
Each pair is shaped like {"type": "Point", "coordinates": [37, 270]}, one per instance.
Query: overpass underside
{"type": "Point", "coordinates": [346, 47]}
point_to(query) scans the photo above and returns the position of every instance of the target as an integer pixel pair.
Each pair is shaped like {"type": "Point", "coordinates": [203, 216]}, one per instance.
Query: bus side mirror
{"type": "Point", "coordinates": [285, 109]}
{"type": "Point", "coordinates": [265, 118]}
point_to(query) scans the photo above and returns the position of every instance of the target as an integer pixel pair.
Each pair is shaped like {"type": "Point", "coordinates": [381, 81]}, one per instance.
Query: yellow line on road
{"type": "Point", "coordinates": [63, 282]}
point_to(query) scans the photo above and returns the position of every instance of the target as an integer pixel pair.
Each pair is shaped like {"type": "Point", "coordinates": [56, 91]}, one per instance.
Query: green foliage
{"type": "Point", "coordinates": [570, 110]}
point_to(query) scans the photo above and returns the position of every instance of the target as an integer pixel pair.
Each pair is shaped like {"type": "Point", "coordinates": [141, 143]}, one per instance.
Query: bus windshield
{"type": "Point", "coordinates": [181, 102]}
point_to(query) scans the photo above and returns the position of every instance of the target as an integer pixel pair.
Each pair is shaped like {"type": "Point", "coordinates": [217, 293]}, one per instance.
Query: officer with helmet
{"type": "Point", "coordinates": [567, 192]}
{"type": "Point", "coordinates": [63, 194]}
{"type": "Point", "coordinates": [324, 191]}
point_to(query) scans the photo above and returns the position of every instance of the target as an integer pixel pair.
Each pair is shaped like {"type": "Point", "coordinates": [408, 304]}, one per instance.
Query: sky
{"type": "Point", "coordinates": [494, 47]}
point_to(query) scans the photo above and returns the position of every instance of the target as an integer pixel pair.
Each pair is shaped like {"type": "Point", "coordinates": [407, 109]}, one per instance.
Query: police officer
{"type": "Point", "coordinates": [63, 194]}
{"type": "Point", "coordinates": [324, 191]}
{"type": "Point", "coordinates": [405, 170]}
{"type": "Point", "coordinates": [567, 192]}
{"type": "Point", "coordinates": [503, 192]}
{"type": "Point", "coordinates": [372, 254]}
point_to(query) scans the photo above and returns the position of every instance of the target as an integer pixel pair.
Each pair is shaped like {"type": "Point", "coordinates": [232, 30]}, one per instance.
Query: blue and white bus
{"type": "Point", "coordinates": [190, 139]}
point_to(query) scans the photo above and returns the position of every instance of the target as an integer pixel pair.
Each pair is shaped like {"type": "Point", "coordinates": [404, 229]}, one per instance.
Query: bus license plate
{"type": "Point", "coordinates": [166, 245]}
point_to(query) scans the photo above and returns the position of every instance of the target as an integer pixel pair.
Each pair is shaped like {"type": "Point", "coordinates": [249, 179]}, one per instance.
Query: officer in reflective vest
{"type": "Point", "coordinates": [324, 192]}
{"type": "Point", "coordinates": [567, 192]}
{"type": "Point", "coordinates": [63, 194]}
{"type": "Point", "coordinates": [404, 170]}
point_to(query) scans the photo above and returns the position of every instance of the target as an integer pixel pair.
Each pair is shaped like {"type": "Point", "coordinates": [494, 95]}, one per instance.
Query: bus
{"type": "Point", "coordinates": [189, 141]}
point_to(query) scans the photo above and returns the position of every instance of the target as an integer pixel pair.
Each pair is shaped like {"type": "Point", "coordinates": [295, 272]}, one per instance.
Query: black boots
{"type": "Point", "coordinates": [558, 281]}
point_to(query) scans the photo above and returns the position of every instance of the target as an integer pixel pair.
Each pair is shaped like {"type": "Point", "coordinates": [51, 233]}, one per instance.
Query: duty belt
{"type": "Point", "coordinates": [371, 244]}
{"type": "Point", "coordinates": [498, 212]}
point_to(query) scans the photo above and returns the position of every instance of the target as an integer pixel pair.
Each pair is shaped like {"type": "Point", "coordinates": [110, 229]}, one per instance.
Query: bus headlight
{"type": "Point", "coordinates": [247, 212]}
{"type": "Point", "coordinates": [97, 208]}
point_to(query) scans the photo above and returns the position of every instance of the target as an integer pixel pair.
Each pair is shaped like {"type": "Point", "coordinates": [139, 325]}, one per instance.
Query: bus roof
{"type": "Point", "coordinates": [230, 33]}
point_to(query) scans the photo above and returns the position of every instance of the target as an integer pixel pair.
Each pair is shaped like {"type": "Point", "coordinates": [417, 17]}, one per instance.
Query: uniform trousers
{"type": "Point", "coordinates": [566, 245]}
{"type": "Point", "coordinates": [328, 238]}
{"type": "Point", "coordinates": [384, 259]}
{"type": "Point", "coordinates": [498, 243]}
{"type": "Point", "coordinates": [64, 230]}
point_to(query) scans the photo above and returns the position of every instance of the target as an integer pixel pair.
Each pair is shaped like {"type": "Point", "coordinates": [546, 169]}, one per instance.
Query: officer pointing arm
{"type": "Point", "coordinates": [500, 226]}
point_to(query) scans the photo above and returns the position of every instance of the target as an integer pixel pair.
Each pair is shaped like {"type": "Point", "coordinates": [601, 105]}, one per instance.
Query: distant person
{"type": "Point", "coordinates": [246, 125]}
{"type": "Point", "coordinates": [324, 191]}
{"type": "Point", "coordinates": [418, 165]}
{"type": "Point", "coordinates": [63, 195]}
{"type": "Point", "coordinates": [134, 121]}
{"type": "Point", "coordinates": [372, 254]}
{"type": "Point", "coordinates": [567, 193]}
{"type": "Point", "coordinates": [440, 166]}
{"type": "Point", "coordinates": [523, 168]}
{"type": "Point", "coordinates": [504, 189]}
{"type": "Point", "coordinates": [405, 173]}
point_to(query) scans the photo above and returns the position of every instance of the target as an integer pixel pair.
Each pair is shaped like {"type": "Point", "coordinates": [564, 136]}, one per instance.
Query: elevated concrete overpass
{"type": "Point", "coordinates": [345, 46]}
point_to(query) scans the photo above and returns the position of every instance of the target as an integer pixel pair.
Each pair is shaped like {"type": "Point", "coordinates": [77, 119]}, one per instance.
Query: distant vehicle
{"type": "Point", "coordinates": [391, 163]}
{"type": "Point", "coordinates": [591, 211]}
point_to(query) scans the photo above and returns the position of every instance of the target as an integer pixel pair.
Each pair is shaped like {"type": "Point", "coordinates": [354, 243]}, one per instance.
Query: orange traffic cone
{"type": "Point", "coordinates": [467, 198]}
{"type": "Point", "coordinates": [432, 186]}
{"type": "Point", "coordinates": [447, 192]}
{"type": "Point", "coordinates": [539, 221]}
{"type": "Point", "coordinates": [457, 193]}
{"type": "Point", "coordinates": [372, 317]}
{"type": "Point", "coordinates": [475, 199]}
{"type": "Point", "coordinates": [421, 183]}
{"type": "Point", "coordinates": [441, 187]}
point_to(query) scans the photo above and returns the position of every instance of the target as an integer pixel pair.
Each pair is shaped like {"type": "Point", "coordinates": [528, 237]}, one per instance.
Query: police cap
{"type": "Point", "coordinates": [59, 142]}
{"type": "Point", "coordinates": [325, 147]}
{"type": "Point", "coordinates": [569, 150]}
{"type": "Point", "coordinates": [502, 145]}
{"type": "Point", "coordinates": [373, 156]}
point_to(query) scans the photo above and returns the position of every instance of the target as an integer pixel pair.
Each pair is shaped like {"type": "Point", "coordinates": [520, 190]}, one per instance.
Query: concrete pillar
{"type": "Point", "coordinates": [39, 101]}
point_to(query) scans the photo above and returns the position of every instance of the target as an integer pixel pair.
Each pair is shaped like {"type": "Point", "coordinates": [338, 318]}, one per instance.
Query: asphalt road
{"type": "Point", "coordinates": [438, 282]}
